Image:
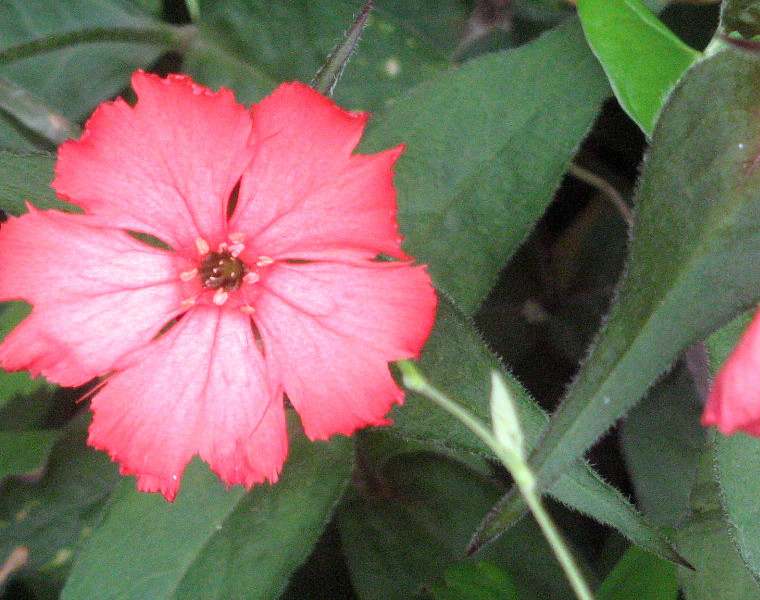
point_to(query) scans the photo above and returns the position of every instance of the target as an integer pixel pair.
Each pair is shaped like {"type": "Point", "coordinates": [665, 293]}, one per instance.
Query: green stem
{"type": "Point", "coordinates": [164, 36]}
{"type": "Point", "coordinates": [327, 76]}
{"type": "Point", "coordinates": [193, 9]}
{"type": "Point", "coordinates": [605, 187]}
{"type": "Point", "coordinates": [35, 114]}
{"type": "Point", "coordinates": [414, 380]}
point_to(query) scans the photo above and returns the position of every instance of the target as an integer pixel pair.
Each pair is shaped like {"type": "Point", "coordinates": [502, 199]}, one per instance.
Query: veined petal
{"type": "Point", "coordinates": [201, 388]}
{"type": "Point", "coordinates": [97, 293]}
{"type": "Point", "coordinates": [329, 331]}
{"type": "Point", "coordinates": [305, 195]}
{"type": "Point", "coordinates": [734, 401]}
{"type": "Point", "coordinates": [166, 166]}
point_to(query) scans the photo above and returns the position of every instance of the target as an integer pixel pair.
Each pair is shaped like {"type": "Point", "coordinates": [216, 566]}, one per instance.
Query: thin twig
{"type": "Point", "coordinates": [605, 187]}
{"type": "Point", "coordinates": [329, 74]}
{"type": "Point", "coordinates": [16, 559]}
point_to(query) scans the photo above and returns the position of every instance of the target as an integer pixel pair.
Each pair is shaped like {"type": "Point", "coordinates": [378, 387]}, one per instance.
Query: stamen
{"type": "Point", "coordinates": [236, 249]}
{"type": "Point", "coordinates": [251, 277]}
{"type": "Point", "coordinates": [247, 310]}
{"type": "Point", "coordinates": [237, 238]}
{"type": "Point", "coordinates": [188, 275]}
{"type": "Point", "coordinates": [264, 261]}
{"type": "Point", "coordinates": [220, 297]}
{"type": "Point", "coordinates": [202, 246]}
{"type": "Point", "coordinates": [187, 303]}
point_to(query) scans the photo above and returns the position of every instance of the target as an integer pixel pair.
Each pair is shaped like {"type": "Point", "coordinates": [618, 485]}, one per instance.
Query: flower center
{"type": "Point", "coordinates": [222, 270]}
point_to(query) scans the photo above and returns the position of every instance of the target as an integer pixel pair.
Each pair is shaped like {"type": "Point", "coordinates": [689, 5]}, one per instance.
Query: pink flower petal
{"type": "Point", "coordinates": [734, 401]}
{"type": "Point", "coordinates": [98, 294]}
{"type": "Point", "coordinates": [201, 388]}
{"type": "Point", "coordinates": [166, 166]}
{"type": "Point", "coordinates": [329, 331]}
{"type": "Point", "coordinates": [305, 195]}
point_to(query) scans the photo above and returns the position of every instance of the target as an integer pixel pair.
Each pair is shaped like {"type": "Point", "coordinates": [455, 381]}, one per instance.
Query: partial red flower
{"type": "Point", "coordinates": [734, 401]}
{"type": "Point", "coordinates": [270, 285]}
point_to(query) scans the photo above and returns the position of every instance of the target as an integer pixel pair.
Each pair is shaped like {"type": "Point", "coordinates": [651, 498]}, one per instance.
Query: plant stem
{"type": "Point", "coordinates": [35, 114]}
{"type": "Point", "coordinates": [329, 74]}
{"type": "Point", "coordinates": [165, 36]}
{"type": "Point", "coordinates": [414, 380]}
{"type": "Point", "coordinates": [606, 188]}
{"type": "Point", "coordinates": [193, 9]}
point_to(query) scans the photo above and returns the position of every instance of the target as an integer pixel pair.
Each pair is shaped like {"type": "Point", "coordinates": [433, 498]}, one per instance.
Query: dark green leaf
{"type": "Point", "coordinates": [24, 451]}
{"type": "Point", "coordinates": [153, 7]}
{"type": "Point", "coordinates": [402, 533]}
{"type": "Point", "coordinates": [662, 441]}
{"type": "Point", "coordinates": [697, 205]}
{"type": "Point", "coordinates": [643, 59]}
{"type": "Point", "coordinates": [705, 539]}
{"type": "Point", "coordinates": [478, 171]}
{"type": "Point", "coordinates": [31, 112]}
{"type": "Point", "coordinates": [640, 575]}
{"type": "Point", "coordinates": [26, 178]}
{"type": "Point", "coordinates": [51, 517]}
{"type": "Point", "coordinates": [455, 342]}
{"type": "Point", "coordinates": [476, 581]}
{"type": "Point", "coordinates": [251, 47]}
{"type": "Point", "coordinates": [212, 542]}
{"type": "Point", "coordinates": [740, 16]}
{"type": "Point", "coordinates": [737, 463]}
{"type": "Point", "coordinates": [73, 79]}
{"type": "Point", "coordinates": [16, 385]}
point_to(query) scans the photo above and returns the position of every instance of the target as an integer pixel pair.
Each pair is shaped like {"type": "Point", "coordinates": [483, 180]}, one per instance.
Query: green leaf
{"type": "Point", "coordinates": [33, 113]}
{"type": "Point", "coordinates": [662, 440]}
{"type": "Point", "coordinates": [738, 461]}
{"type": "Point", "coordinates": [639, 575]}
{"type": "Point", "coordinates": [741, 17]}
{"type": "Point", "coordinates": [504, 420]}
{"type": "Point", "coordinates": [403, 533]}
{"type": "Point", "coordinates": [643, 59]}
{"type": "Point", "coordinates": [477, 173]}
{"type": "Point", "coordinates": [53, 515]}
{"type": "Point", "coordinates": [17, 385]}
{"type": "Point", "coordinates": [697, 204]}
{"type": "Point", "coordinates": [476, 581]}
{"type": "Point", "coordinates": [26, 178]}
{"type": "Point", "coordinates": [252, 46]}
{"type": "Point", "coordinates": [212, 542]}
{"type": "Point", "coordinates": [153, 7]}
{"type": "Point", "coordinates": [719, 572]}
{"type": "Point", "coordinates": [737, 458]}
{"type": "Point", "coordinates": [88, 69]}
{"type": "Point", "coordinates": [454, 341]}
{"type": "Point", "coordinates": [24, 451]}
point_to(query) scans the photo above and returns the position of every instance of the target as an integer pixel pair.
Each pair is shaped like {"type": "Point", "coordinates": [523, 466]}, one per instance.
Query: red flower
{"type": "Point", "coordinates": [734, 401]}
{"type": "Point", "coordinates": [282, 296]}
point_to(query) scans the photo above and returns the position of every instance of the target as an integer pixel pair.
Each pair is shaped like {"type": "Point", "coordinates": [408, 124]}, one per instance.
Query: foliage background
{"type": "Point", "coordinates": [505, 110]}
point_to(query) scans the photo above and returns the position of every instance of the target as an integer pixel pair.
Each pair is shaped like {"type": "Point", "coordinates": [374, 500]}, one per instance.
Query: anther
{"type": "Point", "coordinates": [220, 297]}
{"type": "Point", "coordinates": [237, 238]}
{"type": "Point", "coordinates": [247, 310]}
{"type": "Point", "coordinates": [202, 246]}
{"type": "Point", "coordinates": [188, 275]}
{"type": "Point", "coordinates": [264, 261]}
{"type": "Point", "coordinates": [251, 277]}
{"type": "Point", "coordinates": [187, 303]}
